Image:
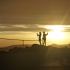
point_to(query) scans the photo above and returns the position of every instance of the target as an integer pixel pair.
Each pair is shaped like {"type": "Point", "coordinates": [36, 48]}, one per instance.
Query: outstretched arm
{"type": "Point", "coordinates": [47, 34]}
{"type": "Point", "coordinates": [37, 34]}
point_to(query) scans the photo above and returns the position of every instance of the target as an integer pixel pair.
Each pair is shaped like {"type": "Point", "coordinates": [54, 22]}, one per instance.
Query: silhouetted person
{"type": "Point", "coordinates": [44, 38]}
{"type": "Point", "coordinates": [39, 35]}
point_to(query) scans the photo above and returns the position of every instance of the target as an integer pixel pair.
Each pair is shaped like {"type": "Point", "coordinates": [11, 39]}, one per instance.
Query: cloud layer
{"type": "Point", "coordinates": [33, 15]}
{"type": "Point", "coordinates": [31, 28]}
{"type": "Point", "coordinates": [48, 12]}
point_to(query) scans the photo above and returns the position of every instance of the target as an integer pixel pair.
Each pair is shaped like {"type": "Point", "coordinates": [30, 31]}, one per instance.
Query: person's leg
{"type": "Point", "coordinates": [40, 42]}
{"type": "Point", "coordinates": [45, 42]}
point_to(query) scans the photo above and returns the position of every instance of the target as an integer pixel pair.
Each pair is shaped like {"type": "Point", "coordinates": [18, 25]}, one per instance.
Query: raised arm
{"type": "Point", "coordinates": [37, 34]}
{"type": "Point", "coordinates": [47, 34]}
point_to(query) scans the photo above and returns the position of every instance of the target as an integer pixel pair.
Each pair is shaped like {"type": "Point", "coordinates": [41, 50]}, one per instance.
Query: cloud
{"type": "Point", "coordinates": [33, 15]}
{"type": "Point", "coordinates": [35, 12]}
{"type": "Point", "coordinates": [9, 27]}
{"type": "Point", "coordinates": [30, 28]}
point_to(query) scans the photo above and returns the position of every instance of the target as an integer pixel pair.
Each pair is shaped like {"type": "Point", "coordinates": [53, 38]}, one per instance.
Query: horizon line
{"type": "Point", "coordinates": [17, 39]}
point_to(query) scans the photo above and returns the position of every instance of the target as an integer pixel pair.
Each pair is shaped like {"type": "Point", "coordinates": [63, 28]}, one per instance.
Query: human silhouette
{"type": "Point", "coordinates": [39, 37]}
{"type": "Point", "coordinates": [44, 38]}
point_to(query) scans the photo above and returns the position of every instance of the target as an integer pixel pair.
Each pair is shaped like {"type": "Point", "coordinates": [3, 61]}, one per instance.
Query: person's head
{"type": "Point", "coordinates": [40, 33]}
{"type": "Point", "coordinates": [44, 32]}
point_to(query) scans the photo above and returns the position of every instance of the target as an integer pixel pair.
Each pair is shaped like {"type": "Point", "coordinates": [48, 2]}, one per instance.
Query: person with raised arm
{"type": "Point", "coordinates": [39, 37]}
{"type": "Point", "coordinates": [44, 38]}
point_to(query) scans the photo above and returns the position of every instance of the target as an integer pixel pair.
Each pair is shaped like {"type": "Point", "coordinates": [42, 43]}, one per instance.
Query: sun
{"type": "Point", "coordinates": [56, 33]}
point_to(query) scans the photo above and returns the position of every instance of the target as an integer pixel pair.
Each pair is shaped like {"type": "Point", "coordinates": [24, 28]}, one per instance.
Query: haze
{"type": "Point", "coordinates": [22, 19]}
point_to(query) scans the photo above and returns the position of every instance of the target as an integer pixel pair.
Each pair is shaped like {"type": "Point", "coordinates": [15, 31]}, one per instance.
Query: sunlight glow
{"type": "Point", "coordinates": [55, 27]}
{"type": "Point", "coordinates": [56, 33]}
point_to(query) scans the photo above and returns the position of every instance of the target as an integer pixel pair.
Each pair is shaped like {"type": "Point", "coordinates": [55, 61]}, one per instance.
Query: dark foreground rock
{"type": "Point", "coordinates": [35, 57]}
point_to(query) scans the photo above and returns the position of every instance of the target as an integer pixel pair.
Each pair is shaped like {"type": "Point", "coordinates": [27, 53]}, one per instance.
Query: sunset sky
{"type": "Point", "coordinates": [23, 19]}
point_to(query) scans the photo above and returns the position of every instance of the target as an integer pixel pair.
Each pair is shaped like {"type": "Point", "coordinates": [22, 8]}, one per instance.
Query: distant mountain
{"type": "Point", "coordinates": [28, 45]}
{"type": "Point", "coordinates": [12, 46]}
{"type": "Point", "coordinates": [59, 46]}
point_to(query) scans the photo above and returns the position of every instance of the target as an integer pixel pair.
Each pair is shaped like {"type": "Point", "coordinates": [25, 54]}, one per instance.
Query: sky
{"type": "Point", "coordinates": [22, 19]}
